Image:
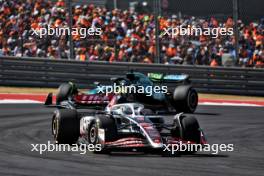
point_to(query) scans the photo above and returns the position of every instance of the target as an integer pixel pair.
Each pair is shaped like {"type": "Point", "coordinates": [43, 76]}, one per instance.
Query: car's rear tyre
{"type": "Point", "coordinates": [110, 131]}
{"type": "Point", "coordinates": [65, 91]}
{"type": "Point", "coordinates": [185, 99]}
{"type": "Point", "coordinates": [65, 126]}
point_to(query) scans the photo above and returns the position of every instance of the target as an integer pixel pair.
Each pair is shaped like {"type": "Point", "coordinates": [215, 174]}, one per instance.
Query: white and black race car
{"type": "Point", "coordinates": [127, 126]}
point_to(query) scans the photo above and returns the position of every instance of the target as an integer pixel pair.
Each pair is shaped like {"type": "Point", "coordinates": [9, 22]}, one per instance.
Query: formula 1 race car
{"type": "Point", "coordinates": [183, 98]}
{"type": "Point", "coordinates": [127, 126]}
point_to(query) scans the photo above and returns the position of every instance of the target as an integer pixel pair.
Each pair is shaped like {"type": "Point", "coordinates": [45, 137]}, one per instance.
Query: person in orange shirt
{"type": "Point", "coordinates": [81, 54]}
{"type": "Point", "coordinates": [259, 40]}
{"type": "Point", "coordinates": [214, 63]}
{"type": "Point", "coordinates": [152, 50]}
{"type": "Point", "coordinates": [121, 54]}
{"type": "Point", "coordinates": [171, 51]}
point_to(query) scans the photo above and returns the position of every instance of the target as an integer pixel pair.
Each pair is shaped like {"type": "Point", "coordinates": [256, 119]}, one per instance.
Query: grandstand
{"type": "Point", "coordinates": [128, 36]}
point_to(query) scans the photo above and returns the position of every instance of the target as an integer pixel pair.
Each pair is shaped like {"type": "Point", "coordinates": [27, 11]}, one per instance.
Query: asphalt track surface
{"type": "Point", "coordinates": [22, 125]}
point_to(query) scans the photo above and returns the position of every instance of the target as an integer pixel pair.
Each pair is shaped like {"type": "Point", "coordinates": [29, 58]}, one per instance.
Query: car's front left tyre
{"type": "Point", "coordinates": [65, 126]}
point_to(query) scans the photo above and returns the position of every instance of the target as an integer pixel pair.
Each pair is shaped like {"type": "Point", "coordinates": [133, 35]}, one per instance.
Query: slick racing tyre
{"type": "Point", "coordinates": [105, 123]}
{"type": "Point", "coordinates": [185, 99]}
{"type": "Point", "coordinates": [65, 126]}
{"type": "Point", "coordinates": [65, 91]}
{"type": "Point", "coordinates": [191, 132]}
{"type": "Point", "coordinates": [190, 129]}
{"type": "Point", "coordinates": [187, 129]}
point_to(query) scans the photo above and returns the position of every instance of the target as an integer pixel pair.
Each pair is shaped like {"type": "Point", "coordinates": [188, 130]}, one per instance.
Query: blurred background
{"type": "Point", "coordinates": [131, 31]}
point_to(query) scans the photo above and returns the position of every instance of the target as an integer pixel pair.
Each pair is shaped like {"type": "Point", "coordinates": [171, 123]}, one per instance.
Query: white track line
{"type": "Point", "coordinates": [229, 104]}
{"type": "Point", "coordinates": [11, 101]}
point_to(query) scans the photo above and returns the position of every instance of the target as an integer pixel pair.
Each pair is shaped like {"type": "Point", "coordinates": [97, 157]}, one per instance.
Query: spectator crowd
{"type": "Point", "coordinates": [127, 36]}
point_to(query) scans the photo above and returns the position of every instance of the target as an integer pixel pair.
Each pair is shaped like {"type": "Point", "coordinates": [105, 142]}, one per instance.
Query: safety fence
{"type": "Point", "coordinates": [35, 72]}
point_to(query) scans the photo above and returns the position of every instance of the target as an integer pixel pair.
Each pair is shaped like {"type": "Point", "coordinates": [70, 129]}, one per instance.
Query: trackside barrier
{"type": "Point", "coordinates": [36, 72]}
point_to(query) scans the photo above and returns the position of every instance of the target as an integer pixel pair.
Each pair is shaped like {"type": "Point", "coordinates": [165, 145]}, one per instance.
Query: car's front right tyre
{"type": "Point", "coordinates": [107, 124]}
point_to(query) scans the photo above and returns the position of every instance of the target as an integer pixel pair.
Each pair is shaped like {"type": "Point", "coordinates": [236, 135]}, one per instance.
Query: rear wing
{"type": "Point", "coordinates": [160, 77]}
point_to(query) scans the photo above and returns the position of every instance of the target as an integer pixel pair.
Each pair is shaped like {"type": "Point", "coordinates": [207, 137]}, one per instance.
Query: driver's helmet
{"type": "Point", "coordinates": [127, 110]}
